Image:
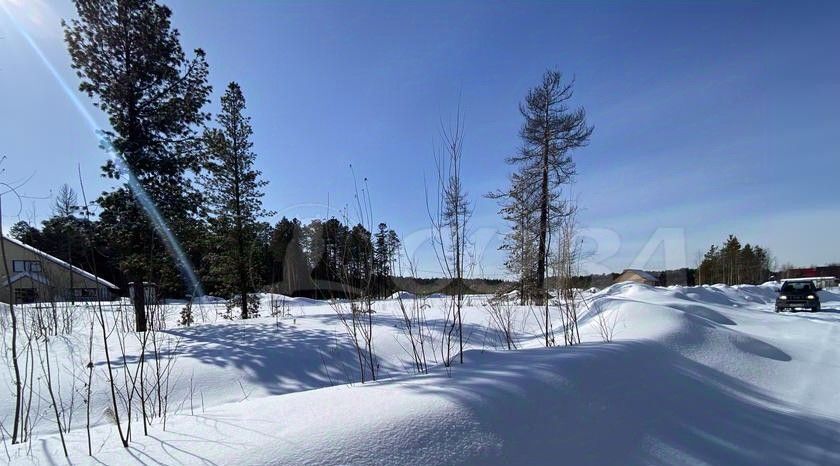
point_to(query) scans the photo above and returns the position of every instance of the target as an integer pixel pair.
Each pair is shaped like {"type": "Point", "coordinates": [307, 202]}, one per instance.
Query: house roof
{"type": "Point", "coordinates": [61, 263]}
{"type": "Point", "coordinates": [642, 273]}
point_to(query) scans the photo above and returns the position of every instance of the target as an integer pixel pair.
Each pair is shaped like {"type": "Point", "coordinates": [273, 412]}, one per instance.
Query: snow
{"type": "Point", "coordinates": [695, 375]}
{"type": "Point", "coordinates": [207, 299]}
{"type": "Point", "coordinates": [402, 295]}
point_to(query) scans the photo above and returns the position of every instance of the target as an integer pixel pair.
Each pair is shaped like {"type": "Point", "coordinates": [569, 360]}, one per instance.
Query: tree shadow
{"type": "Point", "coordinates": [629, 403]}
{"type": "Point", "coordinates": [281, 359]}
{"type": "Point", "coordinates": [287, 358]}
{"type": "Point", "coordinates": [703, 311]}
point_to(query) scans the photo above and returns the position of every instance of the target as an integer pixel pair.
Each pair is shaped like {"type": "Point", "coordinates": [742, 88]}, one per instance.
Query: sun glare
{"type": "Point", "coordinates": [36, 14]}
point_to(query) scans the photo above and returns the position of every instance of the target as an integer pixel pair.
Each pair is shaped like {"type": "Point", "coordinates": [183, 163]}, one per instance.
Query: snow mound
{"type": "Point", "coordinates": [207, 299]}
{"type": "Point", "coordinates": [694, 375]}
{"type": "Point", "coordinates": [291, 300]}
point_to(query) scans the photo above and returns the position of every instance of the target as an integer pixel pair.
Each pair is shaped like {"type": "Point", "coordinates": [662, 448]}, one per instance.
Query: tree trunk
{"type": "Point", "coordinates": [541, 253]}
{"type": "Point", "coordinates": [18, 388]}
{"type": "Point", "coordinates": [141, 323]}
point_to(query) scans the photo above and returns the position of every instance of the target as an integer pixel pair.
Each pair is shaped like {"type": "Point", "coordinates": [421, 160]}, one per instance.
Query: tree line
{"type": "Point", "coordinates": [323, 258]}
{"type": "Point", "coordinates": [731, 263]}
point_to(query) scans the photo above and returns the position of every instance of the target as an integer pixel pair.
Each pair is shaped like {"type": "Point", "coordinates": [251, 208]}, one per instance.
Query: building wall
{"type": "Point", "coordinates": [61, 279]}
{"type": "Point", "coordinates": [629, 276]}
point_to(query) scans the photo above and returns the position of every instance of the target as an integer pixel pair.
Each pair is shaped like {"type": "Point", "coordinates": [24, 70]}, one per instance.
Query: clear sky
{"type": "Point", "coordinates": [710, 117]}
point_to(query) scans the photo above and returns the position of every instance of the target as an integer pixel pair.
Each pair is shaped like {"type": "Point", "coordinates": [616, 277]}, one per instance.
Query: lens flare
{"type": "Point", "coordinates": [158, 222]}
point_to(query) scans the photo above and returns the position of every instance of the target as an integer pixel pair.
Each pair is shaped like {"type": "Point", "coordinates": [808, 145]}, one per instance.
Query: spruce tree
{"type": "Point", "coordinates": [234, 192]}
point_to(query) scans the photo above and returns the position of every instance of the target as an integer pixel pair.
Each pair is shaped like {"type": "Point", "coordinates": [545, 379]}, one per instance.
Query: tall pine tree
{"type": "Point", "coordinates": [386, 245]}
{"type": "Point", "coordinates": [130, 62]}
{"type": "Point", "coordinates": [234, 191]}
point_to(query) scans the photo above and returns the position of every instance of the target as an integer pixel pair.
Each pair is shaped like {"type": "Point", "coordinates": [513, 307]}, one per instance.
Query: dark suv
{"type": "Point", "coordinates": [798, 294]}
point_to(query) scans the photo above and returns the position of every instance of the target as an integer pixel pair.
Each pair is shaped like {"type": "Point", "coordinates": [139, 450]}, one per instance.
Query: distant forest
{"type": "Point", "coordinates": [323, 258]}
{"type": "Point", "coordinates": [330, 258]}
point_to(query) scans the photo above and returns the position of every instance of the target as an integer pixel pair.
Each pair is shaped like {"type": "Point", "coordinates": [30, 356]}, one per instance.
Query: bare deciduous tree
{"type": "Point", "coordinates": [503, 316]}
{"type": "Point", "coordinates": [357, 282]}
{"type": "Point", "coordinates": [567, 268]}
{"type": "Point", "coordinates": [414, 325]}
{"type": "Point", "coordinates": [8, 189]}
{"type": "Point", "coordinates": [449, 219]}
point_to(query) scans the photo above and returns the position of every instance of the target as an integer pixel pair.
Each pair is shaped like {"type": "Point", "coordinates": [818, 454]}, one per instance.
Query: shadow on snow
{"type": "Point", "coordinates": [630, 403]}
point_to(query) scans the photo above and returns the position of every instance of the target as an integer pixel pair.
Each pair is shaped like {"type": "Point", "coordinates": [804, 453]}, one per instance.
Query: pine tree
{"type": "Point", "coordinates": [64, 231]}
{"type": "Point", "coordinates": [285, 233]}
{"type": "Point", "coordinates": [707, 272]}
{"type": "Point", "coordinates": [27, 234]}
{"type": "Point", "coordinates": [748, 267]}
{"type": "Point", "coordinates": [130, 62]}
{"type": "Point", "coordinates": [233, 189]}
{"type": "Point", "coordinates": [359, 260]}
{"type": "Point", "coordinates": [381, 263]}
{"type": "Point", "coordinates": [732, 264]}
{"type": "Point", "coordinates": [312, 241]}
{"type": "Point", "coordinates": [730, 255]}
{"type": "Point", "coordinates": [393, 250]}
{"type": "Point", "coordinates": [764, 264]}
{"type": "Point", "coordinates": [386, 248]}
{"type": "Point", "coordinates": [326, 241]}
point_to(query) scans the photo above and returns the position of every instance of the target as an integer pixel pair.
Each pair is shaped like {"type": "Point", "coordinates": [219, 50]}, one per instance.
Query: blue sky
{"type": "Point", "coordinates": [710, 117]}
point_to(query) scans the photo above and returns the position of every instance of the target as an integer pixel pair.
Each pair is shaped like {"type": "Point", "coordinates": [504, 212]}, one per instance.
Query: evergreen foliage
{"type": "Point", "coordinates": [233, 189]}
{"type": "Point", "coordinates": [129, 60]}
{"type": "Point", "coordinates": [732, 264]}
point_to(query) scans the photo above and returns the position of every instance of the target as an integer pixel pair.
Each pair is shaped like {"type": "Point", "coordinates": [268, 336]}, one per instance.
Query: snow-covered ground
{"type": "Point", "coordinates": [694, 375]}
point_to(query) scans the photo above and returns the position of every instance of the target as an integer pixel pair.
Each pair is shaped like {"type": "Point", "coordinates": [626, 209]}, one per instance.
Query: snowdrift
{"type": "Point", "coordinates": [696, 375]}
